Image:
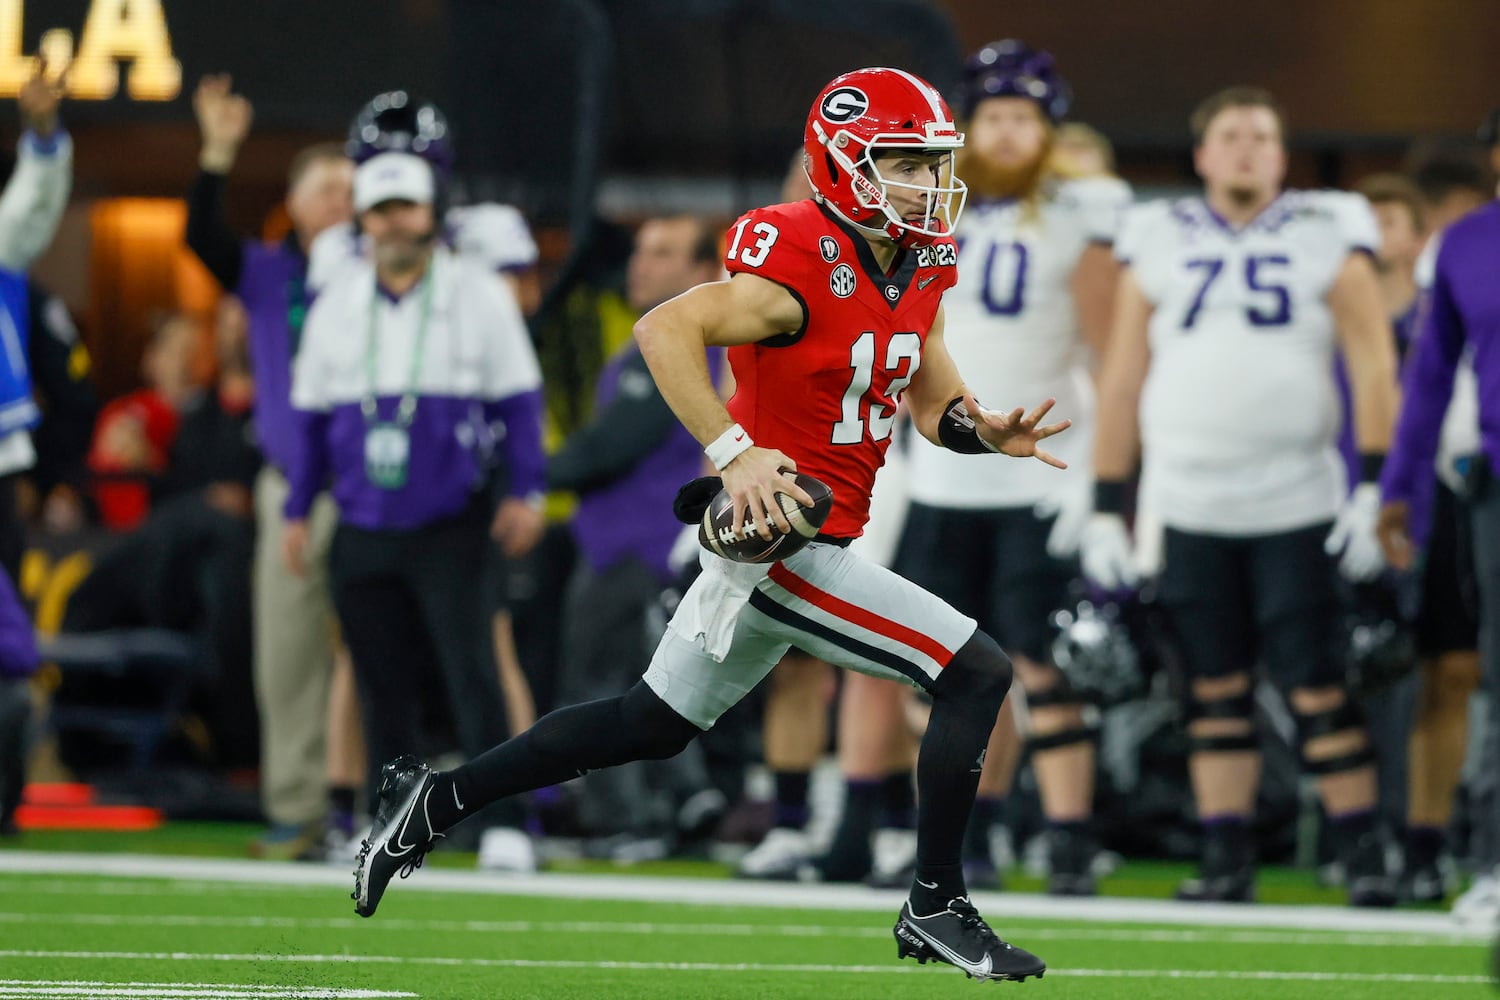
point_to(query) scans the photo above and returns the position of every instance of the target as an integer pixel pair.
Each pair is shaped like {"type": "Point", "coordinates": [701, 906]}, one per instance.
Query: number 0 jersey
{"type": "Point", "coordinates": [1240, 413]}
{"type": "Point", "coordinates": [1011, 327]}
{"type": "Point", "coordinates": [826, 395]}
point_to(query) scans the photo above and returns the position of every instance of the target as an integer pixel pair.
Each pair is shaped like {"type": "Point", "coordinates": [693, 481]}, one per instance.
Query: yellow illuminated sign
{"type": "Point", "coordinates": [115, 31]}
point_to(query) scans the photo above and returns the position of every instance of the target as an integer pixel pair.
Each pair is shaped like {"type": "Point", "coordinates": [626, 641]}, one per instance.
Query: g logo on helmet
{"type": "Point", "coordinates": [844, 105]}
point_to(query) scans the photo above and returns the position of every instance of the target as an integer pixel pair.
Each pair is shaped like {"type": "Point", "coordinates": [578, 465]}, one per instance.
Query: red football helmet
{"type": "Point", "coordinates": [872, 110]}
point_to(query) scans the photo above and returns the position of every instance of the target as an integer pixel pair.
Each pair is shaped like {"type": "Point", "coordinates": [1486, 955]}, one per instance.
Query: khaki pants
{"type": "Point", "coordinates": [294, 643]}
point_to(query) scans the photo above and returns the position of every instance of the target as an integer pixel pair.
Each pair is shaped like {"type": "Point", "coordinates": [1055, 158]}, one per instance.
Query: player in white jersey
{"type": "Point", "coordinates": [1225, 322]}
{"type": "Point", "coordinates": [1029, 313]}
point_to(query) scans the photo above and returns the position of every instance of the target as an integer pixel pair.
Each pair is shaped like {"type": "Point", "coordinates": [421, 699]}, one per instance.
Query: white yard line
{"type": "Point", "coordinates": [799, 968]}
{"type": "Point", "coordinates": [179, 887]}
{"type": "Point", "coordinates": [998, 907]}
{"type": "Point", "coordinates": [58, 988]}
{"type": "Point", "coordinates": [1312, 939]}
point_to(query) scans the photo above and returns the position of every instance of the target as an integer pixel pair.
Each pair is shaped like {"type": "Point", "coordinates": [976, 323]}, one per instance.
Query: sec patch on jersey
{"type": "Point", "coordinates": [716, 529]}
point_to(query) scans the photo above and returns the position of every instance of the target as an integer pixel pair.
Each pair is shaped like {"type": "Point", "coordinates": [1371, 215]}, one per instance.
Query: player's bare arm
{"type": "Point", "coordinates": [672, 337]}
{"type": "Point", "coordinates": [1365, 338]}
{"type": "Point", "coordinates": [1117, 436]}
{"type": "Point", "coordinates": [1093, 285]}
{"type": "Point", "coordinates": [937, 384]}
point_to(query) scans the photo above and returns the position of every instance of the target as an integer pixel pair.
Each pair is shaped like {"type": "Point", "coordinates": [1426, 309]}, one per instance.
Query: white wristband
{"type": "Point", "coordinates": [728, 446]}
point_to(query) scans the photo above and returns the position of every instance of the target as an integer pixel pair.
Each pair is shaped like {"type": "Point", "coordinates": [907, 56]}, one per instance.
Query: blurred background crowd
{"type": "Point", "coordinates": [177, 629]}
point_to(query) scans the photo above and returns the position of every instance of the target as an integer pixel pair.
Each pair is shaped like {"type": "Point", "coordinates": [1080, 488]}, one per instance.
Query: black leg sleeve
{"type": "Point", "coordinates": [637, 725]}
{"type": "Point", "coordinates": [965, 701]}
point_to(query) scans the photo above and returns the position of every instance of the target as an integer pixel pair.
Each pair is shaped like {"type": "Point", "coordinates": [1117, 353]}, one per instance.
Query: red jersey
{"type": "Point", "coordinates": [122, 493]}
{"type": "Point", "coordinates": [826, 395]}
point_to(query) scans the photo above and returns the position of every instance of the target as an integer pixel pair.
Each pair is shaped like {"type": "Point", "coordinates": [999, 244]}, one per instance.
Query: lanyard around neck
{"type": "Point", "coordinates": [296, 309]}
{"type": "Point", "coordinates": [407, 408]}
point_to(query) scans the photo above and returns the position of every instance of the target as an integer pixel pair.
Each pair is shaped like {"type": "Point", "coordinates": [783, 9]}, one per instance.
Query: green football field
{"type": "Point", "coordinates": [220, 928]}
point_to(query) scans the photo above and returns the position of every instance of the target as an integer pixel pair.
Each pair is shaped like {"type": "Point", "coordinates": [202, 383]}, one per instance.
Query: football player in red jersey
{"type": "Point", "coordinates": [832, 313]}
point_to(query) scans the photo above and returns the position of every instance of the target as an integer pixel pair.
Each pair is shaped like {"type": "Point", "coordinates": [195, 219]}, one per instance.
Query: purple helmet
{"type": "Point", "coordinates": [396, 122]}
{"type": "Point", "coordinates": [1011, 68]}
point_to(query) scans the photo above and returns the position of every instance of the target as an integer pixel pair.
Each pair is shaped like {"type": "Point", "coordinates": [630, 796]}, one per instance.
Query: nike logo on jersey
{"type": "Point", "coordinates": [924, 282]}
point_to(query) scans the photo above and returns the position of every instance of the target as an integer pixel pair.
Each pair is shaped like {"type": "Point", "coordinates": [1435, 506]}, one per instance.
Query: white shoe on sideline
{"type": "Point", "coordinates": [506, 849]}
{"type": "Point", "coordinates": [893, 854]}
{"type": "Point", "coordinates": [1480, 904]}
{"type": "Point", "coordinates": [341, 850]}
{"type": "Point", "coordinates": [784, 855]}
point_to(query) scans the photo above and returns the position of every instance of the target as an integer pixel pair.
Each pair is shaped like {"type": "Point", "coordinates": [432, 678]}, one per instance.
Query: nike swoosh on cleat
{"type": "Point", "coordinates": [981, 968]}
{"type": "Point", "coordinates": [400, 837]}
{"type": "Point", "coordinates": [927, 885]}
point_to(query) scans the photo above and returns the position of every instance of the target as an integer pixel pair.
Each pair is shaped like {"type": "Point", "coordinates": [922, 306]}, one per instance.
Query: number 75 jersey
{"type": "Point", "coordinates": [826, 395]}
{"type": "Point", "coordinates": [1239, 413]}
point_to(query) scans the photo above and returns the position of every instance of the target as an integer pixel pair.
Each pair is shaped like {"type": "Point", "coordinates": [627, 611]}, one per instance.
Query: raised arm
{"type": "Point", "coordinates": [34, 197]}
{"type": "Point", "coordinates": [224, 121]}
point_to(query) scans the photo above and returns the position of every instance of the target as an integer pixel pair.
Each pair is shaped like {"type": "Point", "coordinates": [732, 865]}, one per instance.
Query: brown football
{"type": "Point", "coordinates": [716, 530]}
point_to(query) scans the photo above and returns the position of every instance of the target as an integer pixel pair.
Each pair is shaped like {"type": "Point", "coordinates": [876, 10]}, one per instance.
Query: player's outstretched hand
{"type": "Point", "coordinates": [753, 480]}
{"type": "Point", "coordinates": [1017, 433]}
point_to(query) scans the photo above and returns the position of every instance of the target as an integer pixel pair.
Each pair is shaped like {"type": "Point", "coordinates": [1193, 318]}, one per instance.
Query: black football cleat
{"type": "Point", "coordinates": [401, 835]}
{"type": "Point", "coordinates": [1227, 874]}
{"type": "Point", "coordinates": [1423, 882]}
{"type": "Point", "coordinates": [959, 936]}
{"type": "Point", "coordinates": [1070, 864]}
{"type": "Point", "coordinates": [1370, 881]}
{"type": "Point", "coordinates": [1225, 887]}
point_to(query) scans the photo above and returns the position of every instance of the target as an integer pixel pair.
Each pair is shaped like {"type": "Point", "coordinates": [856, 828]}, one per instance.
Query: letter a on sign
{"type": "Point", "coordinates": [121, 30]}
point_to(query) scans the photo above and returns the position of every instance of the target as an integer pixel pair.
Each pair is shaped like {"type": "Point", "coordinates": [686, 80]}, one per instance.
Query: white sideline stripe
{"type": "Point", "coordinates": [998, 907]}
{"type": "Point", "coordinates": [801, 968]}
{"type": "Point", "coordinates": [218, 993]}
{"type": "Point", "coordinates": [177, 888]}
{"type": "Point", "coordinates": [90, 988]}
{"type": "Point", "coordinates": [724, 930]}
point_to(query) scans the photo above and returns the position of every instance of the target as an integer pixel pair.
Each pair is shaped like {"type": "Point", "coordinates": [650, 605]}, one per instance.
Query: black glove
{"type": "Point", "coordinates": [694, 497]}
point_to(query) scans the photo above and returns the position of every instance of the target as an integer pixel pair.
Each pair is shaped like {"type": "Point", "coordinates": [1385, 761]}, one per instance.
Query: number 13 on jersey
{"type": "Point", "coordinates": [873, 392]}
{"type": "Point", "coordinates": [765, 236]}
